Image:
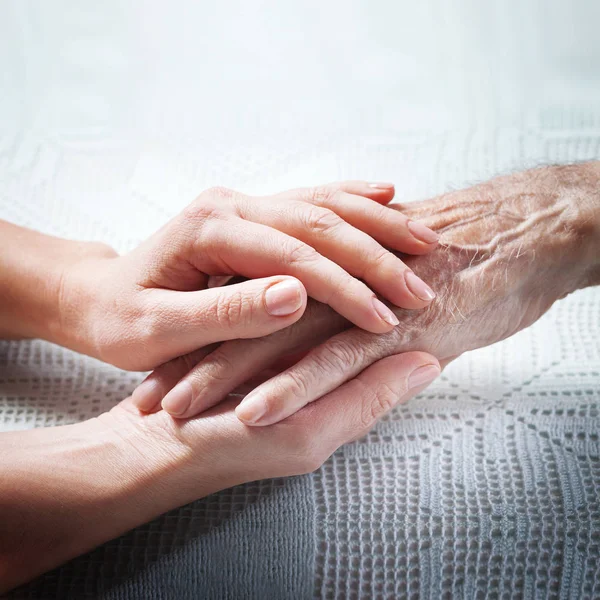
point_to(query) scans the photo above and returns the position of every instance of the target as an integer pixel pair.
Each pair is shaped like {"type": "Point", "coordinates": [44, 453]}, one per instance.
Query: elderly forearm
{"type": "Point", "coordinates": [578, 193]}
{"type": "Point", "coordinates": [32, 268]}
{"type": "Point", "coordinates": [590, 217]}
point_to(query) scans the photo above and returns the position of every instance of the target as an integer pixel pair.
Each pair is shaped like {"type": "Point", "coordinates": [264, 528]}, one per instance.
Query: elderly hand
{"type": "Point", "coordinates": [509, 249]}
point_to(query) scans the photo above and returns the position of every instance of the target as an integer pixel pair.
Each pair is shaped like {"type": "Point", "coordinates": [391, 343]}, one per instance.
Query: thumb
{"type": "Point", "coordinates": [251, 309]}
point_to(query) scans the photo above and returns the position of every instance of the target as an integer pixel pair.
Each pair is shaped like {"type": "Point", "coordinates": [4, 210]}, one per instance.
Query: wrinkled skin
{"type": "Point", "coordinates": [509, 249]}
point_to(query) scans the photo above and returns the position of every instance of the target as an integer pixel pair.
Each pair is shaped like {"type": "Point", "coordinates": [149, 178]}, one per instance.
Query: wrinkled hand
{"type": "Point", "coordinates": [142, 309]}
{"type": "Point", "coordinates": [509, 249]}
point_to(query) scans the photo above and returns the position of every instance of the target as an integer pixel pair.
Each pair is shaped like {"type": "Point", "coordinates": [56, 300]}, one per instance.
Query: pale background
{"type": "Point", "coordinates": [114, 115]}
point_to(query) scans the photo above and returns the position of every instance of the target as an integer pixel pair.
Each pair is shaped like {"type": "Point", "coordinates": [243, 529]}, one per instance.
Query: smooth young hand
{"type": "Point", "coordinates": [142, 309]}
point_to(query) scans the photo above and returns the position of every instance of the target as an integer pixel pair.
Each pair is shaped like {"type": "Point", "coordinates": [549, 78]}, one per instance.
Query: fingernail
{"type": "Point", "coordinates": [218, 280]}
{"type": "Point", "coordinates": [422, 232]}
{"type": "Point", "coordinates": [384, 312]}
{"type": "Point", "coordinates": [252, 408]}
{"type": "Point", "coordinates": [423, 375]}
{"type": "Point", "coordinates": [146, 395]}
{"type": "Point", "coordinates": [418, 287]}
{"type": "Point", "coordinates": [283, 298]}
{"type": "Point", "coordinates": [381, 185]}
{"type": "Point", "coordinates": [178, 400]}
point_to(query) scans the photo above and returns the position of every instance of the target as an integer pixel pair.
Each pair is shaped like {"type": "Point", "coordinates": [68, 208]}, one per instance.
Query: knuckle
{"type": "Point", "coordinates": [135, 340]}
{"type": "Point", "coordinates": [232, 309]}
{"type": "Point", "coordinates": [218, 193]}
{"type": "Point", "coordinates": [381, 258]}
{"type": "Point", "coordinates": [339, 356]}
{"type": "Point", "coordinates": [377, 403]}
{"type": "Point", "coordinates": [150, 319]}
{"type": "Point", "coordinates": [200, 210]}
{"type": "Point", "coordinates": [187, 361]}
{"type": "Point", "coordinates": [320, 220]}
{"type": "Point", "coordinates": [312, 461]}
{"type": "Point", "coordinates": [304, 452]}
{"type": "Point", "coordinates": [298, 252]}
{"type": "Point", "coordinates": [322, 194]}
{"type": "Point", "coordinates": [99, 249]}
{"type": "Point", "coordinates": [208, 204]}
{"type": "Point", "coordinates": [294, 384]}
{"type": "Point", "coordinates": [216, 369]}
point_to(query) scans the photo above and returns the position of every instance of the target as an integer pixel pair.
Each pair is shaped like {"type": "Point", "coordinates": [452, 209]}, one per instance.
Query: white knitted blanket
{"type": "Point", "coordinates": [114, 116]}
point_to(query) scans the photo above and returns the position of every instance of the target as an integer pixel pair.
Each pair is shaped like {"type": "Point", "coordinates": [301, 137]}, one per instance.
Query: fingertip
{"type": "Point", "coordinates": [385, 314]}
{"type": "Point", "coordinates": [147, 395]}
{"type": "Point", "coordinates": [418, 288]}
{"type": "Point", "coordinates": [406, 290]}
{"type": "Point", "coordinates": [251, 409]}
{"type": "Point", "coordinates": [422, 233]}
{"type": "Point", "coordinates": [423, 375]}
{"type": "Point", "coordinates": [287, 297]}
{"type": "Point", "coordinates": [373, 316]}
{"type": "Point", "coordinates": [177, 402]}
{"type": "Point", "coordinates": [381, 191]}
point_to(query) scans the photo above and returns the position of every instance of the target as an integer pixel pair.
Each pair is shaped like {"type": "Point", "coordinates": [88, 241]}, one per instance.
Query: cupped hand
{"type": "Point", "coordinates": [74, 487]}
{"type": "Point", "coordinates": [509, 249]}
{"type": "Point", "coordinates": [155, 303]}
{"type": "Point", "coordinates": [216, 450]}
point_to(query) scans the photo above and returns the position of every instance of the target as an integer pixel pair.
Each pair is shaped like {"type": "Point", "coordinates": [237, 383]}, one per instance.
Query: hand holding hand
{"type": "Point", "coordinates": [154, 304]}
{"type": "Point", "coordinates": [509, 249]}
{"type": "Point", "coordinates": [123, 468]}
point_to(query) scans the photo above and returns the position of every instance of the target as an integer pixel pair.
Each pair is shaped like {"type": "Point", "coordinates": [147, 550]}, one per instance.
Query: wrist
{"type": "Point", "coordinates": [34, 269]}
{"type": "Point", "coordinates": [580, 190]}
{"type": "Point", "coordinates": [76, 284]}
{"type": "Point", "coordinates": [591, 225]}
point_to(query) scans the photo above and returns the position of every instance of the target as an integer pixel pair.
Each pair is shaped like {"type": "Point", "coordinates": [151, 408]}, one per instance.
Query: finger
{"type": "Point", "coordinates": [219, 280]}
{"type": "Point", "coordinates": [255, 250]}
{"type": "Point", "coordinates": [187, 320]}
{"type": "Point", "coordinates": [351, 410]}
{"type": "Point", "coordinates": [323, 369]}
{"type": "Point", "coordinates": [352, 249]}
{"type": "Point", "coordinates": [148, 395]}
{"type": "Point", "coordinates": [231, 364]}
{"type": "Point", "coordinates": [380, 191]}
{"type": "Point", "coordinates": [385, 224]}
{"type": "Point", "coordinates": [184, 321]}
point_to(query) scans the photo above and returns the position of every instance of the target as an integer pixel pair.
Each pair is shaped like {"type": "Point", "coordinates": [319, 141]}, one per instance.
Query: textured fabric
{"type": "Point", "coordinates": [486, 484]}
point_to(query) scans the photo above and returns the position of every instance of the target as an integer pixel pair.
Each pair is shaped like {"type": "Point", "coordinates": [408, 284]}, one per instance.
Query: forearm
{"type": "Point", "coordinates": [587, 190]}
{"type": "Point", "coordinates": [65, 490]}
{"type": "Point", "coordinates": [32, 272]}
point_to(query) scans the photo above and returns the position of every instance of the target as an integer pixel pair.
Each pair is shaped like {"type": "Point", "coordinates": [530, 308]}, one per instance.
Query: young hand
{"type": "Point", "coordinates": [140, 310]}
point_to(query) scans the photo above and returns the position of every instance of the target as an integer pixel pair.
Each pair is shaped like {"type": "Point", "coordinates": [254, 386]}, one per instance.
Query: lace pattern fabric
{"type": "Point", "coordinates": [486, 485]}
